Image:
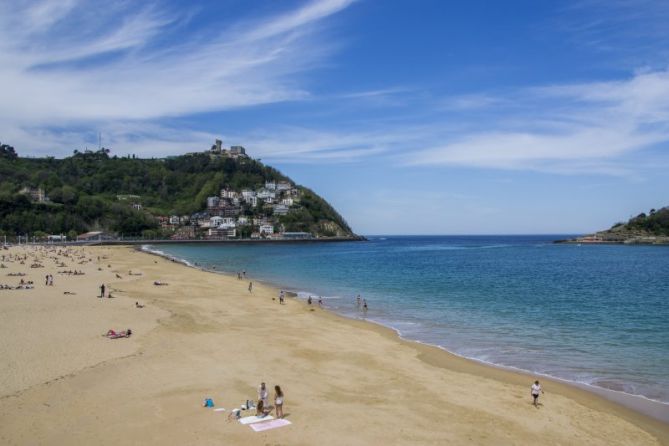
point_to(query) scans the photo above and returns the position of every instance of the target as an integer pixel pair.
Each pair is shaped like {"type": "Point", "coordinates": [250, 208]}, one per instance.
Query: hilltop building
{"type": "Point", "coordinates": [234, 152]}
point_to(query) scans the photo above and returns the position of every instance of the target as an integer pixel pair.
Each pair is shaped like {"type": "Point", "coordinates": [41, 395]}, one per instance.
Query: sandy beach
{"type": "Point", "coordinates": [204, 335]}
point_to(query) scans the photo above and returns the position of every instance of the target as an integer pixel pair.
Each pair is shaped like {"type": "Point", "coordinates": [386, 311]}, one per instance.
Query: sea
{"type": "Point", "coordinates": [597, 315]}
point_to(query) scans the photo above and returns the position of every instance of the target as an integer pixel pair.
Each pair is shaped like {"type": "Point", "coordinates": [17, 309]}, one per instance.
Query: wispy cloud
{"type": "Point", "coordinates": [574, 128]}
{"type": "Point", "coordinates": [65, 65]}
{"type": "Point", "coordinates": [635, 30]}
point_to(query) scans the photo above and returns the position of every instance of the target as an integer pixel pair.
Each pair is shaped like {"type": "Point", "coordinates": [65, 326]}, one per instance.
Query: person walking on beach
{"type": "Point", "coordinates": [281, 297]}
{"type": "Point", "coordinates": [320, 301]}
{"type": "Point", "coordinates": [278, 401]}
{"type": "Point", "coordinates": [102, 290]}
{"type": "Point", "coordinates": [309, 300]}
{"type": "Point", "coordinates": [535, 390]}
{"type": "Point", "coordinates": [250, 287]}
{"type": "Point", "coordinates": [263, 394]}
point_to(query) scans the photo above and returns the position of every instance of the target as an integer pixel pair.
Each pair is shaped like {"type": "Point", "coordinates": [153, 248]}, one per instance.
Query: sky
{"type": "Point", "coordinates": [409, 117]}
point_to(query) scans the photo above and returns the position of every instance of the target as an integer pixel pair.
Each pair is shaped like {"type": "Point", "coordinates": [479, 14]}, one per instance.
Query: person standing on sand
{"type": "Point", "coordinates": [102, 290]}
{"type": "Point", "coordinates": [309, 300]}
{"type": "Point", "coordinates": [535, 390]}
{"type": "Point", "coordinates": [364, 305]}
{"type": "Point", "coordinates": [263, 394]}
{"type": "Point", "coordinates": [278, 401]}
{"type": "Point", "coordinates": [250, 287]}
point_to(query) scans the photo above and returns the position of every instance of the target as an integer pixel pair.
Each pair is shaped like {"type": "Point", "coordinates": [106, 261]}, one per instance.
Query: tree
{"type": "Point", "coordinates": [7, 152]}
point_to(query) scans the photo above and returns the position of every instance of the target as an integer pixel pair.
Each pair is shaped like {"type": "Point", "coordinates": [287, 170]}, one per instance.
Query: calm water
{"type": "Point", "coordinates": [593, 314]}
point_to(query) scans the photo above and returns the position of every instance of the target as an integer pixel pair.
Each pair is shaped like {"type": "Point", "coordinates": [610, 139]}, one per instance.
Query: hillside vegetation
{"type": "Point", "coordinates": [651, 228]}
{"type": "Point", "coordinates": [89, 191]}
{"type": "Point", "coordinates": [656, 222]}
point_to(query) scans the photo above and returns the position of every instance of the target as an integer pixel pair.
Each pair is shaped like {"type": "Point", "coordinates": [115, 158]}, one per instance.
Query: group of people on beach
{"type": "Point", "coordinates": [72, 273]}
{"type": "Point", "coordinates": [263, 408]}
{"type": "Point", "coordinates": [320, 301]}
{"type": "Point", "coordinates": [38, 256]}
{"type": "Point", "coordinates": [361, 303]}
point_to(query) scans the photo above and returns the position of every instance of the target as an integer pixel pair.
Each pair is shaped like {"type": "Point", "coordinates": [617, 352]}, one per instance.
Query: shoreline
{"type": "Point", "coordinates": [657, 410]}
{"type": "Point", "coordinates": [348, 381]}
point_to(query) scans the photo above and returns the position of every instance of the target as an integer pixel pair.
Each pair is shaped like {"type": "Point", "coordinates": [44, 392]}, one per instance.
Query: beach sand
{"type": "Point", "coordinates": [346, 382]}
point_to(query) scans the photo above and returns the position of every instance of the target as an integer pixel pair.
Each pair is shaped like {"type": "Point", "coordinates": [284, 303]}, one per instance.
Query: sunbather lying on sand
{"type": "Point", "coordinates": [111, 334]}
{"type": "Point", "coordinates": [159, 283]}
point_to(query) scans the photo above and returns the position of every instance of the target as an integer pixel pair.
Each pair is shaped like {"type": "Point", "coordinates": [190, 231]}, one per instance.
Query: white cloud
{"type": "Point", "coordinates": [571, 128]}
{"type": "Point", "coordinates": [66, 65]}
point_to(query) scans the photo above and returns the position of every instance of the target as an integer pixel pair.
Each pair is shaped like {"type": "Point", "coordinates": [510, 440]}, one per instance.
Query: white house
{"type": "Point", "coordinates": [253, 201]}
{"type": "Point", "coordinates": [270, 185]}
{"type": "Point", "coordinates": [283, 185]}
{"type": "Point", "coordinates": [267, 229]}
{"type": "Point", "coordinates": [215, 222]}
{"type": "Point", "coordinates": [137, 206]}
{"type": "Point", "coordinates": [174, 219]}
{"type": "Point", "coordinates": [243, 220]}
{"type": "Point", "coordinates": [248, 193]}
{"type": "Point", "coordinates": [218, 232]}
{"type": "Point", "coordinates": [227, 223]}
{"type": "Point", "coordinates": [280, 209]}
{"type": "Point", "coordinates": [212, 202]}
{"type": "Point", "coordinates": [269, 200]}
{"type": "Point", "coordinates": [264, 194]}
{"type": "Point", "coordinates": [288, 201]}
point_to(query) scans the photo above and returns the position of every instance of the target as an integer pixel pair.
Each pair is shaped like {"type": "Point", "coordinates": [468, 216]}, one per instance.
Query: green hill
{"type": "Point", "coordinates": [655, 223]}
{"type": "Point", "coordinates": [651, 228]}
{"type": "Point", "coordinates": [175, 197]}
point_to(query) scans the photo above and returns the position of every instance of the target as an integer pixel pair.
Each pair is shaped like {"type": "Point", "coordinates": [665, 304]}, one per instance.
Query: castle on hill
{"type": "Point", "coordinates": [234, 151]}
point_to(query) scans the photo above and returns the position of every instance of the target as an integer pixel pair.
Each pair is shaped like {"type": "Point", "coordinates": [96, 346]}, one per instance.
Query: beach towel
{"type": "Point", "coordinates": [220, 409]}
{"type": "Point", "coordinates": [259, 427]}
{"type": "Point", "coordinates": [255, 419]}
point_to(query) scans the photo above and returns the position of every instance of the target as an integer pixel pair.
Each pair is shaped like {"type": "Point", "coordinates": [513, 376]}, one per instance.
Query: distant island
{"type": "Point", "coordinates": [651, 228]}
{"type": "Point", "coordinates": [216, 194]}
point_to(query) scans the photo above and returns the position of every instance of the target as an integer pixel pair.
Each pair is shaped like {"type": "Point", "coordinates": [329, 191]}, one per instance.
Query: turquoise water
{"type": "Point", "coordinates": [592, 314]}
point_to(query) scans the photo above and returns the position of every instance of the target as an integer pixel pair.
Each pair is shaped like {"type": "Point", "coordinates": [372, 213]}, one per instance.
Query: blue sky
{"type": "Point", "coordinates": [427, 117]}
